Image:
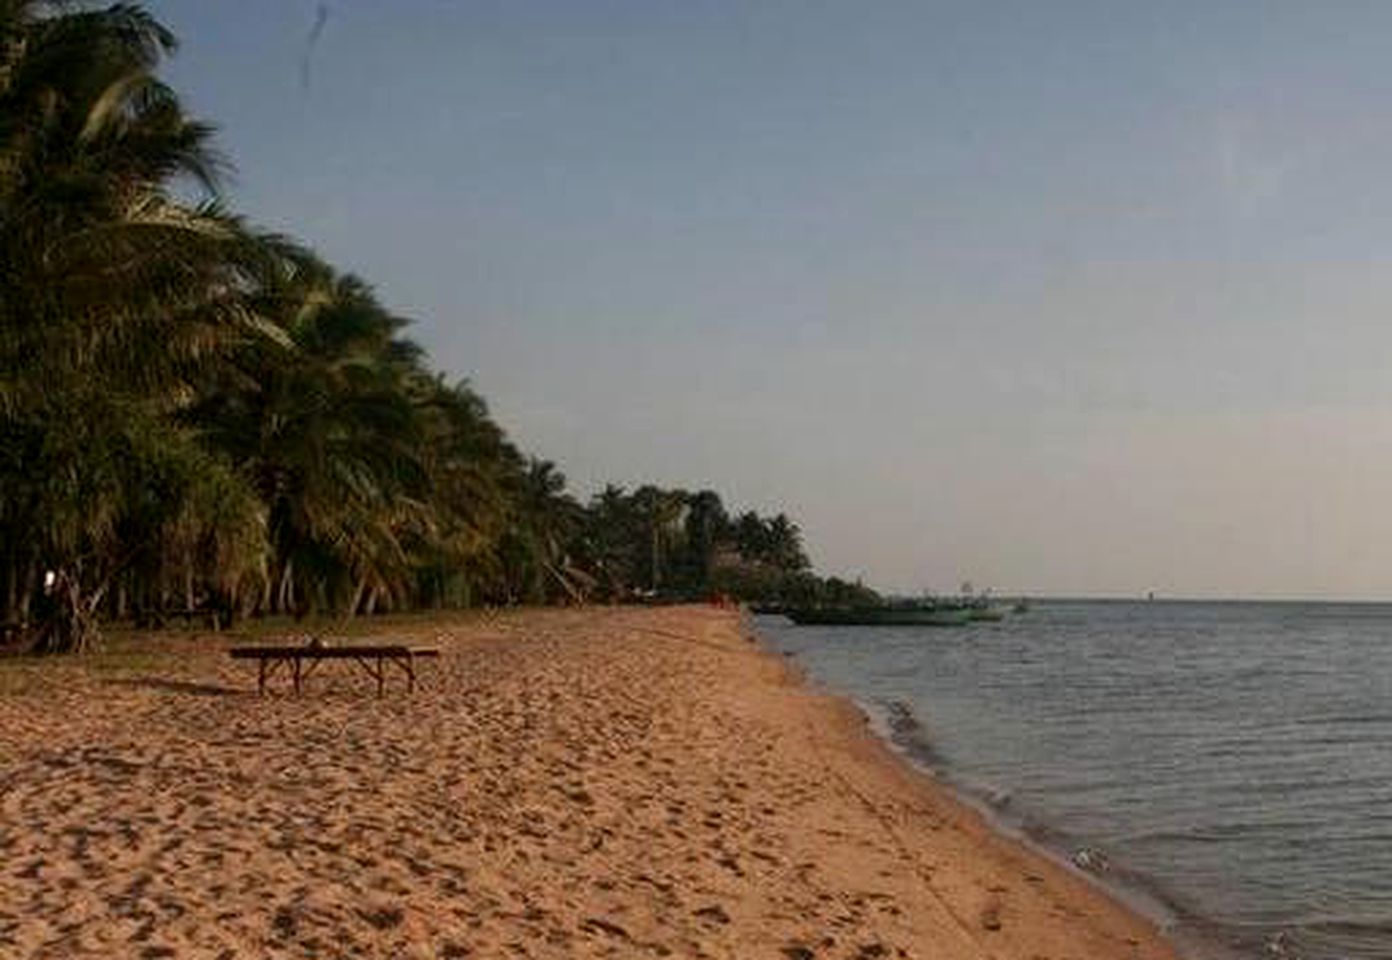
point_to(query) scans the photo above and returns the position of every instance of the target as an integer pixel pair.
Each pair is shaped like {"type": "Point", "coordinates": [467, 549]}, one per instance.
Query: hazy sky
{"type": "Point", "coordinates": [1055, 297]}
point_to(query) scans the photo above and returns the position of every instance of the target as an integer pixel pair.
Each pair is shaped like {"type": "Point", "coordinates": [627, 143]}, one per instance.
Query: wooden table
{"type": "Point", "coordinates": [301, 661]}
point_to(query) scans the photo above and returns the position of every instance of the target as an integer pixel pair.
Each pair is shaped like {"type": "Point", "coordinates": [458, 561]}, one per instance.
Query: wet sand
{"type": "Point", "coordinates": [599, 783]}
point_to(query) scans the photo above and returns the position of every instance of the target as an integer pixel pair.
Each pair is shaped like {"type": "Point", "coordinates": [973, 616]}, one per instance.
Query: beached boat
{"type": "Point", "coordinates": [883, 615]}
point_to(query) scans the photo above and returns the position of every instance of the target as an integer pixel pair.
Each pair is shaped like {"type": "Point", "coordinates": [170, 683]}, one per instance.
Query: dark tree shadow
{"type": "Point", "coordinates": [179, 686]}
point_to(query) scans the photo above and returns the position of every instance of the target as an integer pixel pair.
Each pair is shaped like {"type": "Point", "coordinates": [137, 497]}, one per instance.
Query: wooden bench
{"type": "Point", "coordinates": [301, 661]}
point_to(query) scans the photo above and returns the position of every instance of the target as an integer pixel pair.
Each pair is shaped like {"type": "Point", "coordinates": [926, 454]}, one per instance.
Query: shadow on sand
{"type": "Point", "coordinates": [178, 686]}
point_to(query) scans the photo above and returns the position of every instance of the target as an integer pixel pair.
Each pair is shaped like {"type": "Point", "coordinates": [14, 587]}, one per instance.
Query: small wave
{"type": "Point", "coordinates": [1347, 934]}
{"type": "Point", "coordinates": [1341, 719]}
{"type": "Point", "coordinates": [1347, 939]}
{"type": "Point", "coordinates": [1090, 859]}
{"type": "Point", "coordinates": [907, 732]}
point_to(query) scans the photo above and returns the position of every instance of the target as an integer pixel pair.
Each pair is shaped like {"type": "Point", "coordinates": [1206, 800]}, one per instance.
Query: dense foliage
{"type": "Point", "coordinates": [198, 416]}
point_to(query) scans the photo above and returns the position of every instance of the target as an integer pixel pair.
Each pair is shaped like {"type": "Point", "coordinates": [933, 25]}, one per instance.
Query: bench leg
{"type": "Point", "coordinates": [261, 678]}
{"type": "Point", "coordinates": [407, 663]}
{"type": "Point", "coordinates": [297, 676]}
{"type": "Point", "coordinates": [381, 676]}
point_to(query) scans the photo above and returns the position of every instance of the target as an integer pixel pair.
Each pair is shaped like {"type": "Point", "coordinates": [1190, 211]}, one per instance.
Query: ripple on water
{"type": "Point", "coordinates": [1230, 757]}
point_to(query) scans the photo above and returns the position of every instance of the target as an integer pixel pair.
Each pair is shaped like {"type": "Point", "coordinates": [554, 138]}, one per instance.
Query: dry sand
{"type": "Point", "coordinates": [606, 783]}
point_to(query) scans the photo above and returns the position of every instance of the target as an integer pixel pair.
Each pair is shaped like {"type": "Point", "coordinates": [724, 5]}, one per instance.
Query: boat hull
{"type": "Point", "coordinates": [880, 617]}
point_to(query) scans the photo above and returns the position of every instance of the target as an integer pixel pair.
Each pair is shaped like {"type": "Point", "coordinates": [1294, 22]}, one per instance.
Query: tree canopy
{"type": "Point", "coordinates": [198, 415]}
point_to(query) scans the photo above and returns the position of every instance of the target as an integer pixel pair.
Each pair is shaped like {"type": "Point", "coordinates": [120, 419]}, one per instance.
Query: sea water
{"type": "Point", "coordinates": [1231, 761]}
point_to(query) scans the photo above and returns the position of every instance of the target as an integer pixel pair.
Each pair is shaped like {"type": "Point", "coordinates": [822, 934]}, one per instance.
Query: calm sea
{"type": "Point", "coordinates": [1229, 761]}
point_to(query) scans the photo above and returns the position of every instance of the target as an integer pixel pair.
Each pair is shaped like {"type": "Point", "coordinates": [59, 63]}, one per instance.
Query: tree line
{"type": "Point", "coordinates": [200, 415]}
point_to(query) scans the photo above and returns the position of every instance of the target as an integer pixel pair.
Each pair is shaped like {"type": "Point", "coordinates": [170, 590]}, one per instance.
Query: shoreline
{"type": "Point", "coordinates": [896, 726]}
{"type": "Point", "coordinates": [930, 778]}
{"type": "Point", "coordinates": [1183, 931]}
{"type": "Point", "coordinates": [609, 782]}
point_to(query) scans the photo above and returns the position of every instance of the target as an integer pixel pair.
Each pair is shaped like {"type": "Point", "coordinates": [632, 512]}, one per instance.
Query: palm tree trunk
{"type": "Point", "coordinates": [188, 587]}
{"type": "Point", "coordinates": [287, 586]}
{"type": "Point", "coordinates": [11, 584]}
{"type": "Point", "coordinates": [358, 592]}
{"type": "Point", "coordinates": [655, 560]}
{"type": "Point", "coordinates": [28, 586]}
{"type": "Point", "coordinates": [71, 625]}
{"type": "Point", "coordinates": [162, 597]}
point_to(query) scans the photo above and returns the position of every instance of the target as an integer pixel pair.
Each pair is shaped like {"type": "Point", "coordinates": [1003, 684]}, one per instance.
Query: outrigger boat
{"type": "Point", "coordinates": [986, 612]}
{"type": "Point", "coordinates": [916, 614]}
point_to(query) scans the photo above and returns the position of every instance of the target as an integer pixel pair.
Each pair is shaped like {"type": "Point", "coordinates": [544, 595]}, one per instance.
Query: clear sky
{"type": "Point", "coordinates": [1058, 297]}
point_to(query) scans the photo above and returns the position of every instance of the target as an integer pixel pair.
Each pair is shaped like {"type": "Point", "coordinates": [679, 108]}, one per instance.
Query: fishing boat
{"type": "Point", "coordinates": [915, 614]}
{"type": "Point", "coordinates": [979, 605]}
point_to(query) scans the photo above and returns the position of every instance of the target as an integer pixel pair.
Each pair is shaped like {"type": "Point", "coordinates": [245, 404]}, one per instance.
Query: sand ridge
{"type": "Point", "coordinates": [595, 783]}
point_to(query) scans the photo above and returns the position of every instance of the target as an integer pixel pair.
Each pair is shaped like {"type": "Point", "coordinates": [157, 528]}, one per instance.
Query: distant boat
{"type": "Point", "coordinates": [1021, 606]}
{"type": "Point", "coordinates": [925, 614]}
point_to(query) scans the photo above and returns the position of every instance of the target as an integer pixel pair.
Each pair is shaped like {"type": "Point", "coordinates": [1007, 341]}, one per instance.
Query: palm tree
{"type": "Point", "coordinates": [784, 545]}
{"type": "Point", "coordinates": [116, 293]}
{"type": "Point", "coordinates": [544, 523]}
{"type": "Point", "coordinates": [662, 512]}
{"type": "Point", "coordinates": [752, 537]}
{"type": "Point", "coordinates": [330, 432]}
{"type": "Point", "coordinates": [613, 541]}
{"type": "Point", "coordinates": [470, 465]}
{"type": "Point", "coordinates": [706, 527]}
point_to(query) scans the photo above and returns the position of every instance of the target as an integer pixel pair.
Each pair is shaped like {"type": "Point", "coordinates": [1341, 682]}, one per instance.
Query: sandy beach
{"type": "Point", "coordinates": [598, 783]}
